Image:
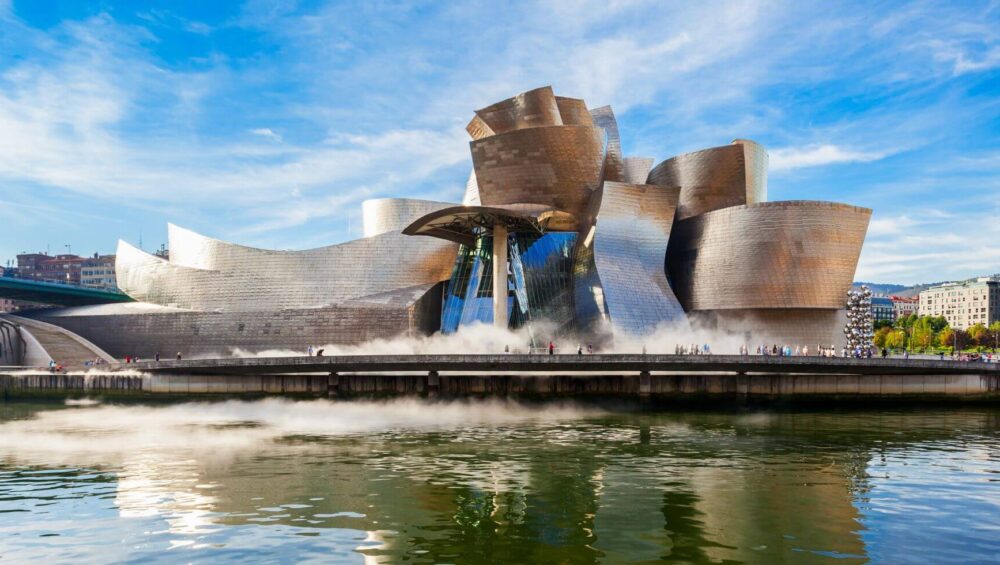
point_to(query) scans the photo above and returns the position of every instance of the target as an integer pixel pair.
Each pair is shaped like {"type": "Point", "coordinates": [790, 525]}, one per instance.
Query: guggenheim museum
{"type": "Point", "coordinates": [580, 240]}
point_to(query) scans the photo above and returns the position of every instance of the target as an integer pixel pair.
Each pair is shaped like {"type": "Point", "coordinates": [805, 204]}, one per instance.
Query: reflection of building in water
{"type": "Point", "coordinates": [800, 503]}
{"type": "Point", "coordinates": [703, 488]}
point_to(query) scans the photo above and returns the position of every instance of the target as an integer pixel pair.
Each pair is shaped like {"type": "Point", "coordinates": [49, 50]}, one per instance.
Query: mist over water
{"type": "Point", "coordinates": [95, 433]}
{"type": "Point", "coordinates": [484, 339]}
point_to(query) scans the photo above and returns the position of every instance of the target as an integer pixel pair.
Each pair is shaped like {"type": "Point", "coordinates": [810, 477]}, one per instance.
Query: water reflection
{"type": "Point", "coordinates": [497, 482]}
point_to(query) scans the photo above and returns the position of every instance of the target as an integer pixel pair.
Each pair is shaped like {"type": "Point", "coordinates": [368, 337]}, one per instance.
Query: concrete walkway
{"type": "Point", "coordinates": [62, 346]}
{"type": "Point", "coordinates": [579, 364]}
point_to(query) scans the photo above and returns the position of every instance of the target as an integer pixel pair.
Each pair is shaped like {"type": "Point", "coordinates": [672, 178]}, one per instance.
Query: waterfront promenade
{"type": "Point", "coordinates": [551, 376]}
{"type": "Point", "coordinates": [578, 364]}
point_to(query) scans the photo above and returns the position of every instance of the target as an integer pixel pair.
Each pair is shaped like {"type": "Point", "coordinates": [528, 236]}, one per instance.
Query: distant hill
{"type": "Point", "coordinates": [881, 289]}
{"type": "Point", "coordinates": [888, 289]}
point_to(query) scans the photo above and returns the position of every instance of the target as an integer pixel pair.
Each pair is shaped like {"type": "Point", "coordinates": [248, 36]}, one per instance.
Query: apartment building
{"type": "Point", "coordinates": [964, 304]}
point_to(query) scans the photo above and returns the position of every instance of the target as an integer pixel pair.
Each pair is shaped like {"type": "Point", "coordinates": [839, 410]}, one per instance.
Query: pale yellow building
{"type": "Point", "coordinates": [964, 304]}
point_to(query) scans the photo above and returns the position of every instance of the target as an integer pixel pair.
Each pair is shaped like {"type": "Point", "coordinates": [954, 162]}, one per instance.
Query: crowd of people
{"type": "Point", "coordinates": [820, 351]}
{"type": "Point", "coordinates": [693, 349]}
{"type": "Point", "coordinates": [764, 350]}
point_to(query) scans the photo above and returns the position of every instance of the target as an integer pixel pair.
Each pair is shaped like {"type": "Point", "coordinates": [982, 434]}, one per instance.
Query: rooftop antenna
{"type": "Point", "coordinates": [69, 249]}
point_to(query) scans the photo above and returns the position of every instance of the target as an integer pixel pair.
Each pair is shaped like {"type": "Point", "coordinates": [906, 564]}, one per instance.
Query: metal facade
{"type": "Point", "coordinates": [635, 170]}
{"type": "Point", "coordinates": [211, 275]}
{"type": "Point", "coordinates": [557, 166]}
{"type": "Point", "coordinates": [535, 108]}
{"type": "Point", "coordinates": [596, 240]}
{"type": "Point", "coordinates": [792, 254]}
{"type": "Point", "coordinates": [604, 118]}
{"type": "Point", "coordinates": [716, 178]}
{"type": "Point", "coordinates": [382, 215]}
{"type": "Point", "coordinates": [630, 236]}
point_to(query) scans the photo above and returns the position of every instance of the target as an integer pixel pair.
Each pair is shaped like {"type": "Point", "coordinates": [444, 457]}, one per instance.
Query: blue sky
{"type": "Point", "coordinates": [267, 123]}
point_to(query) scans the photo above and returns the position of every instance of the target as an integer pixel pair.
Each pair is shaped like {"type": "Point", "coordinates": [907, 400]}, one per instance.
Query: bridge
{"type": "Point", "coordinates": [577, 364]}
{"type": "Point", "coordinates": [58, 294]}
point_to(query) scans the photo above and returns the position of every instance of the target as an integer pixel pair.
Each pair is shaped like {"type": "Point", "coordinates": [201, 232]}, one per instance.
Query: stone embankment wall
{"type": "Point", "coordinates": [671, 386]}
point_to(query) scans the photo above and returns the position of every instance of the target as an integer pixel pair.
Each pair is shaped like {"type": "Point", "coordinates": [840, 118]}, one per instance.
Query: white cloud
{"type": "Point", "coordinates": [89, 107]}
{"type": "Point", "coordinates": [788, 158]}
{"type": "Point", "coordinates": [266, 132]}
{"type": "Point", "coordinates": [930, 245]}
{"type": "Point", "coordinates": [85, 117]}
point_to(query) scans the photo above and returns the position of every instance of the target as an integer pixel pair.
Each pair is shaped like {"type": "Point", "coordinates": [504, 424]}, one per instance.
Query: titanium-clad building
{"type": "Point", "coordinates": [557, 231]}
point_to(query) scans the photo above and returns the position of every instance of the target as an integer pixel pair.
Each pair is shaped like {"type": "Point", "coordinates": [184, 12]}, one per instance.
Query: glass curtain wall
{"type": "Point", "coordinates": [539, 281]}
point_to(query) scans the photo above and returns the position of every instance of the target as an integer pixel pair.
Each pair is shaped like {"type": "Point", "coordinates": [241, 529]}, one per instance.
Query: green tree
{"type": "Point", "coordinates": [880, 335]}
{"type": "Point", "coordinates": [995, 335]}
{"type": "Point", "coordinates": [896, 339]}
{"type": "Point", "coordinates": [937, 323]}
{"type": "Point", "coordinates": [979, 335]}
{"type": "Point", "coordinates": [922, 336]}
{"type": "Point", "coordinates": [946, 338]}
{"type": "Point", "coordinates": [906, 322]}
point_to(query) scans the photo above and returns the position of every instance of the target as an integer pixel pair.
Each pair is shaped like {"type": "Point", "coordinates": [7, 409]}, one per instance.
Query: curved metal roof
{"type": "Point", "coordinates": [462, 224]}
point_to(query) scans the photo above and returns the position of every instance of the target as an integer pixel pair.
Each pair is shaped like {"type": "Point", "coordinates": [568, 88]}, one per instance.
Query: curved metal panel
{"type": "Point", "coordinates": [791, 254]}
{"type": "Point", "coordinates": [471, 197]}
{"type": "Point", "coordinates": [553, 166]}
{"type": "Point", "coordinates": [208, 274]}
{"type": "Point", "coordinates": [464, 224]}
{"type": "Point", "coordinates": [479, 129]}
{"type": "Point", "coordinates": [144, 330]}
{"type": "Point", "coordinates": [381, 215]}
{"type": "Point", "coordinates": [534, 108]}
{"type": "Point", "coordinates": [755, 161]}
{"type": "Point", "coordinates": [630, 245]}
{"type": "Point", "coordinates": [574, 112]}
{"type": "Point", "coordinates": [604, 118]}
{"type": "Point", "coordinates": [716, 178]}
{"type": "Point", "coordinates": [635, 170]}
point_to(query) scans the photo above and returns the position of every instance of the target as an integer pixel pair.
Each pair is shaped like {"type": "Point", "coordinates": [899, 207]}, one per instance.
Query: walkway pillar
{"type": "Point", "coordinates": [500, 276]}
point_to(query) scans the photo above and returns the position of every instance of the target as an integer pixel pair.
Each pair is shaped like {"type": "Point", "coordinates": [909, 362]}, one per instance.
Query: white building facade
{"type": "Point", "coordinates": [964, 304]}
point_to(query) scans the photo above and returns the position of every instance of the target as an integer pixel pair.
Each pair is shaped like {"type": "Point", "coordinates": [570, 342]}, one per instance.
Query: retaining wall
{"type": "Point", "coordinates": [676, 386]}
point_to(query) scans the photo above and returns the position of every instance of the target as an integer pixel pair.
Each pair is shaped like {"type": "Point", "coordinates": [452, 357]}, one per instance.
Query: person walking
{"type": "Point", "coordinates": [178, 355]}
{"type": "Point", "coordinates": [590, 349]}
{"type": "Point", "coordinates": [309, 351]}
{"type": "Point", "coordinates": [157, 357]}
{"type": "Point", "coordinates": [579, 349]}
{"type": "Point", "coordinates": [552, 348]}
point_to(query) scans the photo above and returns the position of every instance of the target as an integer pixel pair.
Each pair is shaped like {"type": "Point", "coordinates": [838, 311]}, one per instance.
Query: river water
{"type": "Point", "coordinates": [279, 480]}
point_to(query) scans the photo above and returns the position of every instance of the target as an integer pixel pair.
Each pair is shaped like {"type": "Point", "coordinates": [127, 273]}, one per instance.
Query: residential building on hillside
{"type": "Point", "coordinates": [883, 309]}
{"type": "Point", "coordinates": [63, 268]}
{"type": "Point", "coordinates": [98, 272]}
{"type": "Point", "coordinates": [905, 305]}
{"type": "Point", "coordinates": [964, 304]}
{"type": "Point", "coordinates": [29, 265]}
